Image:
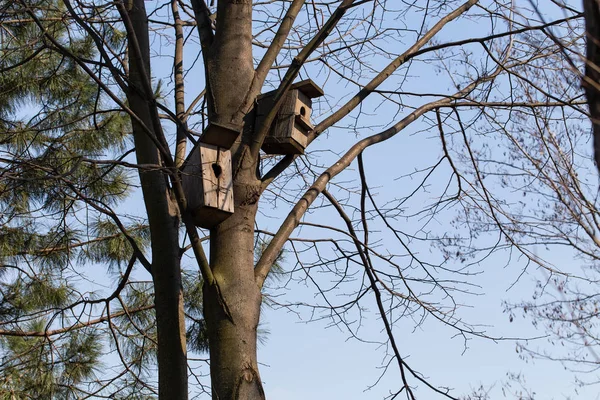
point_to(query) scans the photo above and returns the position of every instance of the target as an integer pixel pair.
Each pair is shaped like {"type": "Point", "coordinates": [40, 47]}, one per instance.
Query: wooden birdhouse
{"type": "Point", "coordinates": [208, 185]}
{"type": "Point", "coordinates": [289, 131]}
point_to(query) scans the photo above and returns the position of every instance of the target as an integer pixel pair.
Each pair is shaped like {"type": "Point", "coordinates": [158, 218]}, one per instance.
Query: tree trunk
{"type": "Point", "coordinates": [591, 80]}
{"type": "Point", "coordinates": [230, 63]}
{"type": "Point", "coordinates": [232, 307]}
{"type": "Point", "coordinates": [163, 218]}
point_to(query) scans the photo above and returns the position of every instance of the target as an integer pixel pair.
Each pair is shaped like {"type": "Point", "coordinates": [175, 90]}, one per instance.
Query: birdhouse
{"type": "Point", "coordinates": [290, 128]}
{"type": "Point", "coordinates": [220, 134]}
{"type": "Point", "coordinates": [208, 185]}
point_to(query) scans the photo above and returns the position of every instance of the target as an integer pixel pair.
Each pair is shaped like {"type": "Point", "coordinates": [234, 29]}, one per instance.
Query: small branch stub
{"type": "Point", "coordinates": [208, 185]}
{"type": "Point", "coordinates": [290, 129]}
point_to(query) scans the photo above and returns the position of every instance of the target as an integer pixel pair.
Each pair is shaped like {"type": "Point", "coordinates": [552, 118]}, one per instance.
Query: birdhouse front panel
{"type": "Point", "coordinates": [303, 109]}
{"type": "Point", "coordinates": [208, 185]}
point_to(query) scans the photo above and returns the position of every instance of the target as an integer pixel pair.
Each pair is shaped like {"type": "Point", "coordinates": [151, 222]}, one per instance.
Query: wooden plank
{"type": "Point", "coordinates": [191, 180]}
{"type": "Point", "coordinates": [217, 179]}
{"type": "Point", "coordinates": [303, 111]}
{"type": "Point", "coordinates": [309, 88]}
{"type": "Point", "coordinates": [220, 134]}
{"type": "Point", "coordinates": [284, 122]}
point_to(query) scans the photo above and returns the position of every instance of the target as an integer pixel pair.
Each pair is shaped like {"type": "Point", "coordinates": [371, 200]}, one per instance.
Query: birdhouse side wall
{"type": "Point", "coordinates": [191, 180]}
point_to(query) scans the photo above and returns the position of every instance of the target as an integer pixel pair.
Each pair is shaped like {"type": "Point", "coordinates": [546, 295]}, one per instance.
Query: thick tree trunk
{"type": "Point", "coordinates": [232, 304]}
{"type": "Point", "coordinates": [232, 307]}
{"type": "Point", "coordinates": [591, 80]}
{"type": "Point", "coordinates": [163, 218]}
{"type": "Point", "coordinates": [230, 63]}
{"type": "Point", "coordinates": [232, 312]}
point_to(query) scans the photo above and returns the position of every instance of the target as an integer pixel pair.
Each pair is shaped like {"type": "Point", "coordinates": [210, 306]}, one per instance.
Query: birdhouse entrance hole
{"type": "Point", "coordinates": [217, 170]}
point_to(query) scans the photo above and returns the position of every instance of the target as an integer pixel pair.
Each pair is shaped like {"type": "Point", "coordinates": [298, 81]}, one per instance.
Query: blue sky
{"type": "Point", "coordinates": [316, 360]}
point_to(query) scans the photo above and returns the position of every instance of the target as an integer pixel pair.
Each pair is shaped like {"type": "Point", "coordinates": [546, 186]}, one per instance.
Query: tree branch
{"type": "Point", "coordinates": [293, 219]}
{"type": "Point", "coordinates": [261, 131]}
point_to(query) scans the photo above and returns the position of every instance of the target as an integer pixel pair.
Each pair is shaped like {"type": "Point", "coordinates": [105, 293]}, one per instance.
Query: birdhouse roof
{"type": "Point", "coordinates": [307, 86]}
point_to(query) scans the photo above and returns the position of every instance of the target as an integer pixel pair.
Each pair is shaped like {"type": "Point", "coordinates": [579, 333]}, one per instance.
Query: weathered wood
{"type": "Point", "coordinates": [309, 88]}
{"type": "Point", "coordinates": [208, 186]}
{"type": "Point", "coordinates": [220, 134]}
{"type": "Point", "coordinates": [289, 131]}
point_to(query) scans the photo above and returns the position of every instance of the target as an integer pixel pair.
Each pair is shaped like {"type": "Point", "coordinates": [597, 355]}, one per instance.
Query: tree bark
{"type": "Point", "coordinates": [230, 65]}
{"type": "Point", "coordinates": [591, 80]}
{"type": "Point", "coordinates": [232, 304]}
{"type": "Point", "coordinates": [232, 311]}
{"type": "Point", "coordinates": [163, 218]}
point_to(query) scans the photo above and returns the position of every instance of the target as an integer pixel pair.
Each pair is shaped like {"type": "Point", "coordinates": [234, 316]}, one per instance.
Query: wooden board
{"type": "Point", "coordinates": [220, 134]}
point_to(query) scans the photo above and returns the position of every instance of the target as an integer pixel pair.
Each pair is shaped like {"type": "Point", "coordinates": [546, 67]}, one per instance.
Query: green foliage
{"type": "Point", "coordinates": [137, 334]}
{"type": "Point", "coordinates": [37, 366]}
{"type": "Point", "coordinates": [59, 137]}
{"type": "Point", "coordinates": [196, 333]}
{"type": "Point", "coordinates": [111, 247]}
{"type": "Point", "coordinates": [27, 295]}
{"type": "Point", "coordinates": [57, 131]}
{"type": "Point", "coordinates": [50, 156]}
{"type": "Point", "coordinates": [43, 368]}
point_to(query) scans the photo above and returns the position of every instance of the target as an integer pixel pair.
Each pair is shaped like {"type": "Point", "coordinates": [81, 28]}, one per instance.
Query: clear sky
{"type": "Point", "coordinates": [315, 360]}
